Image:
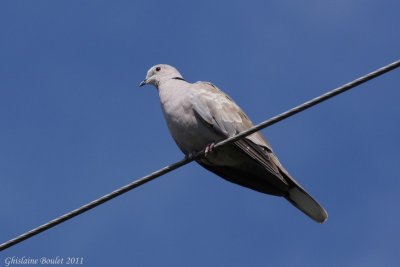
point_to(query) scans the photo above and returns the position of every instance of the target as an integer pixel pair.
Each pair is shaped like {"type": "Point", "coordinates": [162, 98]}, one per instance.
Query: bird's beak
{"type": "Point", "coordinates": [144, 82]}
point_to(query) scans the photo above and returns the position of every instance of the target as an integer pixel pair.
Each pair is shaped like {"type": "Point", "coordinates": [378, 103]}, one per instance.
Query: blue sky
{"type": "Point", "coordinates": [75, 126]}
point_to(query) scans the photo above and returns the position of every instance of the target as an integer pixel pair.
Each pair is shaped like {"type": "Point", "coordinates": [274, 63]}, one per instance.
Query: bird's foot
{"type": "Point", "coordinates": [209, 149]}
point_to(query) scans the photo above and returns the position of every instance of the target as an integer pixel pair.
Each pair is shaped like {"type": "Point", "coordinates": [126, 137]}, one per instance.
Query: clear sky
{"type": "Point", "coordinates": [75, 126]}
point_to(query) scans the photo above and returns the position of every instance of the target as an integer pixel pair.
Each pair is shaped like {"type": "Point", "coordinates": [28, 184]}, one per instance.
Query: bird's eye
{"type": "Point", "coordinates": [158, 68]}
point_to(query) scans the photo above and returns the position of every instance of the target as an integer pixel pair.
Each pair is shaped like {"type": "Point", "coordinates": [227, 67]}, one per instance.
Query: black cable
{"type": "Point", "coordinates": [187, 160]}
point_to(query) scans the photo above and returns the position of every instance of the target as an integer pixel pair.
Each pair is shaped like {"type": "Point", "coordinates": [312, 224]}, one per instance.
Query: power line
{"type": "Point", "coordinates": [191, 158]}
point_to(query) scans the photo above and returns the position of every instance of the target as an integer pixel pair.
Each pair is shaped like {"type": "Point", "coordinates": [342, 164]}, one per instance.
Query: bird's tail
{"type": "Point", "coordinates": [301, 199]}
{"type": "Point", "coordinates": [304, 202]}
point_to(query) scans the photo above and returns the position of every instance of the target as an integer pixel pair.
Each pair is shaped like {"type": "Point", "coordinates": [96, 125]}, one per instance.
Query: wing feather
{"type": "Point", "coordinates": [227, 119]}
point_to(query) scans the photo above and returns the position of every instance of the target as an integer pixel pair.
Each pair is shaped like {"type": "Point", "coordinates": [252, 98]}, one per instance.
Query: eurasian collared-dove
{"type": "Point", "coordinates": [199, 115]}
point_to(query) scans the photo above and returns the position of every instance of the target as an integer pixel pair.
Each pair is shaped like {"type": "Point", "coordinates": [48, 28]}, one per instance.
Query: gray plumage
{"type": "Point", "coordinates": [198, 114]}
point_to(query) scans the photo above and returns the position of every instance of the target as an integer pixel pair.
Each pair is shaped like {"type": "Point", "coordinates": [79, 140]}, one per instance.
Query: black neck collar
{"type": "Point", "coordinates": [178, 78]}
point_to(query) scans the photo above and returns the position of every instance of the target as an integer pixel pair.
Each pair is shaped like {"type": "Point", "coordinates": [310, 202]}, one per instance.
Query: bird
{"type": "Point", "coordinates": [199, 115]}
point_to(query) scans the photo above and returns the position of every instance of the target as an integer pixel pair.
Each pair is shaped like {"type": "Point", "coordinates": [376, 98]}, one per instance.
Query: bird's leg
{"type": "Point", "coordinates": [209, 149]}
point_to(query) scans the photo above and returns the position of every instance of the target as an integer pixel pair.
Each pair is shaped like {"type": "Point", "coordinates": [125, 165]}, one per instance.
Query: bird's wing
{"type": "Point", "coordinates": [221, 113]}
{"type": "Point", "coordinates": [219, 110]}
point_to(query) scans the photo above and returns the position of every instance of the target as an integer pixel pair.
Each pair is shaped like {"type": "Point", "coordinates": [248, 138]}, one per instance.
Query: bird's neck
{"type": "Point", "coordinates": [167, 79]}
{"type": "Point", "coordinates": [172, 89]}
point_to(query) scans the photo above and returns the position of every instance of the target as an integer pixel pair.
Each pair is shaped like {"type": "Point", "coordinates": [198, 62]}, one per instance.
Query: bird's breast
{"type": "Point", "coordinates": [189, 133]}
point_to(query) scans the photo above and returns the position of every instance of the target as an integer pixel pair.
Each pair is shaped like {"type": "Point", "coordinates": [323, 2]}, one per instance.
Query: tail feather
{"type": "Point", "coordinates": [304, 202]}
{"type": "Point", "coordinates": [301, 199]}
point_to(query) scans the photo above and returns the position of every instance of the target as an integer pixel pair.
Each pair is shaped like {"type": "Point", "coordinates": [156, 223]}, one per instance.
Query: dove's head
{"type": "Point", "coordinates": [160, 73]}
